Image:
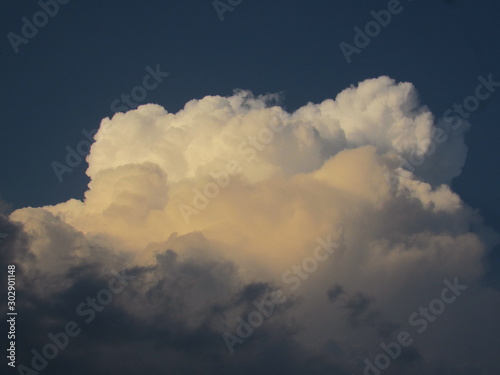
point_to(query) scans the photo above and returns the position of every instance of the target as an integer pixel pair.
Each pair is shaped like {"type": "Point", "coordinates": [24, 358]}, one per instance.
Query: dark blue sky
{"type": "Point", "coordinates": [66, 77]}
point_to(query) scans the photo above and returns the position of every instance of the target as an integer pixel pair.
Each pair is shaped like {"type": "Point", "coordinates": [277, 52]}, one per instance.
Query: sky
{"type": "Point", "coordinates": [250, 186]}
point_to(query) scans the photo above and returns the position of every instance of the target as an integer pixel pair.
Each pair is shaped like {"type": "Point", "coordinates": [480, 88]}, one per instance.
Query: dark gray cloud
{"type": "Point", "coordinates": [149, 326]}
{"type": "Point", "coordinates": [335, 292]}
{"type": "Point", "coordinates": [172, 315]}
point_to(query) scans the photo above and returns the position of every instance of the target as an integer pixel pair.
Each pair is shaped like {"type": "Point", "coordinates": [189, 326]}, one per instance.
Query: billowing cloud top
{"type": "Point", "coordinates": [342, 208]}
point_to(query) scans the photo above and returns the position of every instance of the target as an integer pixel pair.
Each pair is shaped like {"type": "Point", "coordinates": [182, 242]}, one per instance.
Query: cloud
{"type": "Point", "coordinates": [335, 292]}
{"type": "Point", "coordinates": [299, 177]}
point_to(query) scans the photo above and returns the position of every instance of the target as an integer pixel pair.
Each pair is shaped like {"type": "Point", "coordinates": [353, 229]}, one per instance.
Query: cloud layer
{"type": "Point", "coordinates": [229, 200]}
